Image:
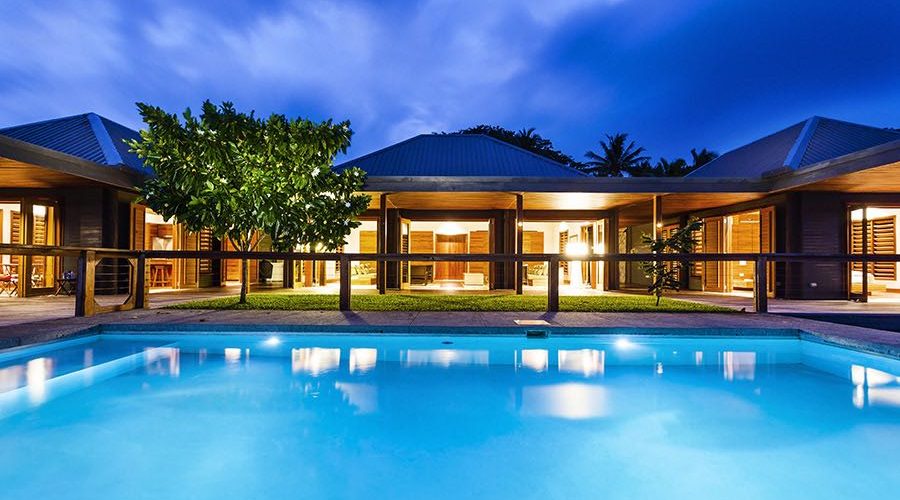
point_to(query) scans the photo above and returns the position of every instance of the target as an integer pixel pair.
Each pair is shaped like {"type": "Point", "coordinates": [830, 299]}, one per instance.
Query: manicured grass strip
{"type": "Point", "coordinates": [402, 302]}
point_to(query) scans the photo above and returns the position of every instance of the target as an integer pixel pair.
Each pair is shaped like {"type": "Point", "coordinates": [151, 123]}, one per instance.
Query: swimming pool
{"type": "Point", "coordinates": [400, 416]}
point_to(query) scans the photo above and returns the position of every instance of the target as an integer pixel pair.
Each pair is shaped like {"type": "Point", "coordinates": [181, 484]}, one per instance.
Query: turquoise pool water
{"type": "Point", "coordinates": [392, 416]}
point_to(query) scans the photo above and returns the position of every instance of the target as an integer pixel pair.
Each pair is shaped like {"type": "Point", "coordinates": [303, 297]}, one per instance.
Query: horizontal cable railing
{"type": "Point", "coordinates": [134, 279]}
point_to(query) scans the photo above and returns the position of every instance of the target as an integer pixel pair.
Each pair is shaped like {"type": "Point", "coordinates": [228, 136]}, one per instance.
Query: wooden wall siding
{"type": "Point", "coordinates": [450, 244]}
{"type": "Point", "coordinates": [882, 240]}
{"type": "Point", "coordinates": [205, 243]}
{"type": "Point", "coordinates": [816, 224]}
{"type": "Point", "coordinates": [479, 242]}
{"type": "Point", "coordinates": [15, 233]}
{"type": "Point", "coordinates": [189, 267]}
{"type": "Point", "coordinates": [745, 238]}
{"type": "Point", "coordinates": [767, 244]}
{"type": "Point", "coordinates": [138, 227]}
{"type": "Point", "coordinates": [368, 242]}
{"type": "Point", "coordinates": [712, 243]}
{"type": "Point", "coordinates": [563, 241]}
{"type": "Point", "coordinates": [533, 242]}
{"type": "Point", "coordinates": [421, 242]}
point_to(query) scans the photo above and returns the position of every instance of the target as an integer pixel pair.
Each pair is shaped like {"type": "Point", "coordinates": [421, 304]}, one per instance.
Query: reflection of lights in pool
{"type": "Point", "coordinates": [624, 343]}
{"type": "Point", "coordinates": [315, 360]}
{"type": "Point", "coordinates": [659, 368]}
{"type": "Point", "coordinates": [272, 341]}
{"type": "Point", "coordinates": [232, 355]}
{"type": "Point", "coordinates": [37, 371]}
{"type": "Point", "coordinates": [536, 359]}
{"type": "Point", "coordinates": [362, 360]}
{"type": "Point", "coordinates": [587, 362]}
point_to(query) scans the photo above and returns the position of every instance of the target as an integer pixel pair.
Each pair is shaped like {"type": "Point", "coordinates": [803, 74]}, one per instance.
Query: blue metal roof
{"type": "Point", "coordinates": [457, 155]}
{"type": "Point", "coordinates": [87, 136]}
{"type": "Point", "coordinates": [811, 141]}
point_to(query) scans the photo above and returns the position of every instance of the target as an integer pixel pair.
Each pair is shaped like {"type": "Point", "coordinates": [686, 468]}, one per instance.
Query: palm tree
{"type": "Point", "coordinates": [618, 156]}
{"type": "Point", "coordinates": [702, 157]}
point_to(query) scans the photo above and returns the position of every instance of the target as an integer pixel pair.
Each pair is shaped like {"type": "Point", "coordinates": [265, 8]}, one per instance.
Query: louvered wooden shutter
{"type": "Point", "coordinates": [713, 278]}
{"type": "Point", "coordinates": [882, 236]}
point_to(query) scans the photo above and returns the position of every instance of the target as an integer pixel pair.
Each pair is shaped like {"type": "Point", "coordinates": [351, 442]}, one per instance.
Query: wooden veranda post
{"type": "Point", "coordinates": [84, 291]}
{"type": "Point", "coordinates": [140, 285]}
{"type": "Point", "coordinates": [520, 244]}
{"type": "Point", "coordinates": [760, 288]}
{"type": "Point", "coordinates": [553, 285]}
{"type": "Point", "coordinates": [345, 283]}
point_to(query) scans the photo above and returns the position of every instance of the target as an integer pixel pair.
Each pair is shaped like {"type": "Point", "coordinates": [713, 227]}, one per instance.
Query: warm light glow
{"type": "Point", "coordinates": [39, 210]}
{"type": "Point", "coordinates": [315, 360]}
{"type": "Point", "coordinates": [362, 360]}
{"type": "Point", "coordinates": [536, 359]}
{"type": "Point", "coordinates": [599, 250]}
{"type": "Point", "coordinates": [563, 227]}
{"type": "Point", "coordinates": [576, 249]}
{"type": "Point", "coordinates": [659, 225]}
{"type": "Point", "coordinates": [450, 229]}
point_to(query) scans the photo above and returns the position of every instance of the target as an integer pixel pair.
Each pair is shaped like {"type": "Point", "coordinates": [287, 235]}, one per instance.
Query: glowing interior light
{"type": "Point", "coordinates": [576, 249]}
{"type": "Point", "coordinates": [598, 249]}
{"type": "Point", "coordinates": [563, 227]}
{"type": "Point", "coordinates": [450, 229]}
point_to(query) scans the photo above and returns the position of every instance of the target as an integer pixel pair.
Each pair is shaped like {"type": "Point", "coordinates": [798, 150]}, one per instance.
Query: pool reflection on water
{"type": "Point", "coordinates": [407, 417]}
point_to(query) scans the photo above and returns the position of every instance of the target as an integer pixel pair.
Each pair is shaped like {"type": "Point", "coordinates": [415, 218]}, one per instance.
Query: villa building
{"type": "Point", "coordinates": [809, 188]}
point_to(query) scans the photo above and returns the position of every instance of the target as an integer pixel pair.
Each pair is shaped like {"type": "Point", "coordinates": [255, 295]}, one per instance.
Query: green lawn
{"type": "Point", "coordinates": [402, 302]}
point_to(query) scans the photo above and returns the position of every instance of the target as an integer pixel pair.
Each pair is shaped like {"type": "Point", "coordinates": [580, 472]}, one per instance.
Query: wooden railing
{"type": "Point", "coordinates": [88, 258]}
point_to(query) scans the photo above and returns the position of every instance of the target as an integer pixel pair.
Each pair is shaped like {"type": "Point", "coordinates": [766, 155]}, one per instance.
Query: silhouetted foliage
{"type": "Point", "coordinates": [617, 156]}
{"type": "Point", "coordinates": [525, 138]}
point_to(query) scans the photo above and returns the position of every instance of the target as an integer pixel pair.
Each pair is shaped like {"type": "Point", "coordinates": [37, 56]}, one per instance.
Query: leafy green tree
{"type": "Point", "coordinates": [666, 275]}
{"type": "Point", "coordinates": [525, 138]}
{"type": "Point", "coordinates": [616, 157]}
{"type": "Point", "coordinates": [241, 176]}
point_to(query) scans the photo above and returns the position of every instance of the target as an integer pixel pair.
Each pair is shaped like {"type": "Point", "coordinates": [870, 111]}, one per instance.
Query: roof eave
{"type": "Point", "coordinates": [116, 176]}
{"type": "Point", "coordinates": [876, 156]}
{"type": "Point", "coordinates": [650, 185]}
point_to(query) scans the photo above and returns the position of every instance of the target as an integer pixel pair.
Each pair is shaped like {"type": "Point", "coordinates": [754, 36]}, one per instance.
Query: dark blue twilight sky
{"type": "Point", "coordinates": [675, 74]}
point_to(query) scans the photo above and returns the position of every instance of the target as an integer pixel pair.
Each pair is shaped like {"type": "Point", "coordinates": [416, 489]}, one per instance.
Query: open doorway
{"type": "Point", "coordinates": [881, 280]}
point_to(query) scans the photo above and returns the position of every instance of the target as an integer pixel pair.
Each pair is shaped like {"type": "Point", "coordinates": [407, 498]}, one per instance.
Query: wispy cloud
{"type": "Point", "coordinates": [573, 68]}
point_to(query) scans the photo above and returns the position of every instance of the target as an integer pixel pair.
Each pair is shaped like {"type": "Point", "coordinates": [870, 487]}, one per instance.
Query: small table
{"type": "Point", "coordinates": [65, 286]}
{"type": "Point", "coordinates": [9, 285]}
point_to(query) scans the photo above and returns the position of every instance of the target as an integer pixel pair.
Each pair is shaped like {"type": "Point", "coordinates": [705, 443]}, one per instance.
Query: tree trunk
{"type": "Point", "coordinates": [245, 280]}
